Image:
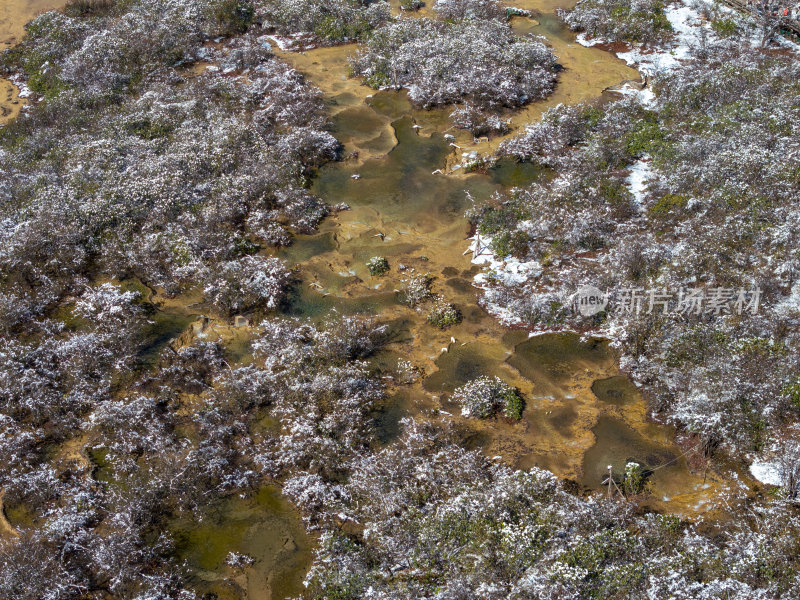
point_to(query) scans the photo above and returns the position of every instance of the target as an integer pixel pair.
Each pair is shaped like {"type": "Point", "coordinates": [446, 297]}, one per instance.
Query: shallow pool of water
{"type": "Point", "coordinates": [554, 359]}
{"type": "Point", "coordinates": [617, 390]}
{"type": "Point", "coordinates": [404, 208]}
{"type": "Point", "coordinates": [618, 444]}
{"type": "Point", "coordinates": [462, 364]}
{"type": "Point", "coordinates": [265, 528]}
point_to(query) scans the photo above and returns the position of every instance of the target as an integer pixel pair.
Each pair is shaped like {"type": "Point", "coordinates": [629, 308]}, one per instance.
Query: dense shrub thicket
{"type": "Point", "coordinates": [175, 441]}
{"type": "Point", "coordinates": [459, 10]}
{"type": "Point", "coordinates": [436, 521]}
{"type": "Point", "coordinates": [485, 396]}
{"type": "Point", "coordinates": [473, 59]}
{"type": "Point", "coordinates": [620, 20]}
{"type": "Point", "coordinates": [718, 154]}
{"type": "Point", "coordinates": [135, 164]}
{"type": "Point", "coordinates": [135, 167]}
{"type": "Point", "coordinates": [330, 21]}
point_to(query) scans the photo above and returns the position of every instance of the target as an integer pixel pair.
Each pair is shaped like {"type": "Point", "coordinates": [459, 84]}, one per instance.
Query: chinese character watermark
{"type": "Point", "coordinates": [715, 301]}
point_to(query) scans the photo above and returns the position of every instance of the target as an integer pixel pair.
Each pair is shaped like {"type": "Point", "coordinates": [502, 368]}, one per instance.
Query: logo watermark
{"type": "Point", "coordinates": [589, 300]}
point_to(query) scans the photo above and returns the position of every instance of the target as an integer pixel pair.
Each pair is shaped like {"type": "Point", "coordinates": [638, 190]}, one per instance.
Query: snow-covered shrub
{"type": "Point", "coordinates": [350, 337]}
{"type": "Point", "coordinates": [237, 560]}
{"type": "Point", "coordinates": [478, 122]}
{"type": "Point", "coordinates": [247, 283]}
{"type": "Point", "coordinates": [330, 21]}
{"type": "Point", "coordinates": [321, 394]}
{"type": "Point", "coordinates": [443, 314]}
{"type": "Point", "coordinates": [717, 150]}
{"type": "Point", "coordinates": [109, 307]}
{"type": "Point", "coordinates": [430, 508]}
{"type": "Point", "coordinates": [484, 396]}
{"type": "Point", "coordinates": [133, 166]}
{"type": "Point", "coordinates": [620, 20]}
{"type": "Point", "coordinates": [411, 4]}
{"type": "Point", "coordinates": [459, 10]}
{"type": "Point", "coordinates": [168, 183]}
{"type": "Point", "coordinates": [313, 494]}
{"type": "Point", "coordinates": [480, 61]}
{"type": "Point", "coordinates": [560, 129]}
{"type": "Point", "coordinates": [416, 288]}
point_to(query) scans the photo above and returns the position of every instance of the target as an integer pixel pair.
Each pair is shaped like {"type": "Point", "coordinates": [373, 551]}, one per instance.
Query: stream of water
{"type": "Point", "coordinates": [582, 414]}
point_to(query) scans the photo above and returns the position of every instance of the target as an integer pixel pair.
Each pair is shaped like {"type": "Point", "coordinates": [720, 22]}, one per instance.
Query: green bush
{"type": "Point", "coordinates": [724, 27]}
{"type": "Point", "coordinates": [88, 8]}
{"type": "Point", "coordinates": [377, 266]}
{"type": "Point", "coordinates": [444, 314]}
{"type": "Point", "coordinates": [510, 243]}
{"type": "Point", "coordinates": [149, 130]}
{"type": "Point", "coordinates": [377, 80]}
{"type": "Point", "coordinates": [614, 192]}
{"type": "Point", "coordinates": [497, 218]}
{"type": "Point", "coordinates": [668, 204]}
{"type": "Point", "coordinates": [513, 404]}
{"type": "Point", "coordinates": [792, 392]}
{"type": "Point", "coordinates": [647, 138]}
{"type": "Point", "coordinates": [634, 480]}
{"type": "Point", "coordinates": [331, 28]}
{"type": "Point", "coordinates": [48, 85]}
{"type": "Point", "coordinates": [234, 16]}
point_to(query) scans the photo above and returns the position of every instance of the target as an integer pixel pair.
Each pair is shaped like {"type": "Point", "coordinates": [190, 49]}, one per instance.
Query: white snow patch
{"type": "Point", "coordinates": [791, 303]}
{"type": "Point", "coordinates": [296, 42]}
{"type": "Point", "coordinates": [646, 96]}
{"type": "Point", "coordinates": [766, 471]}
{"type": "Point", "coordinates": [641, 172]}
{"type": "Point", "coordinates": [19, 82]}
{"type": "Point", "coordinates": [689, 32]}
{"type": "Point", "coordinates": [537, 333]}
{"type": "Point", "coordinates": [508, 270]}
{"type": "Point", "coordinates": [584, 40]}
{"type": "Point", "coordinates": [284, 43]}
